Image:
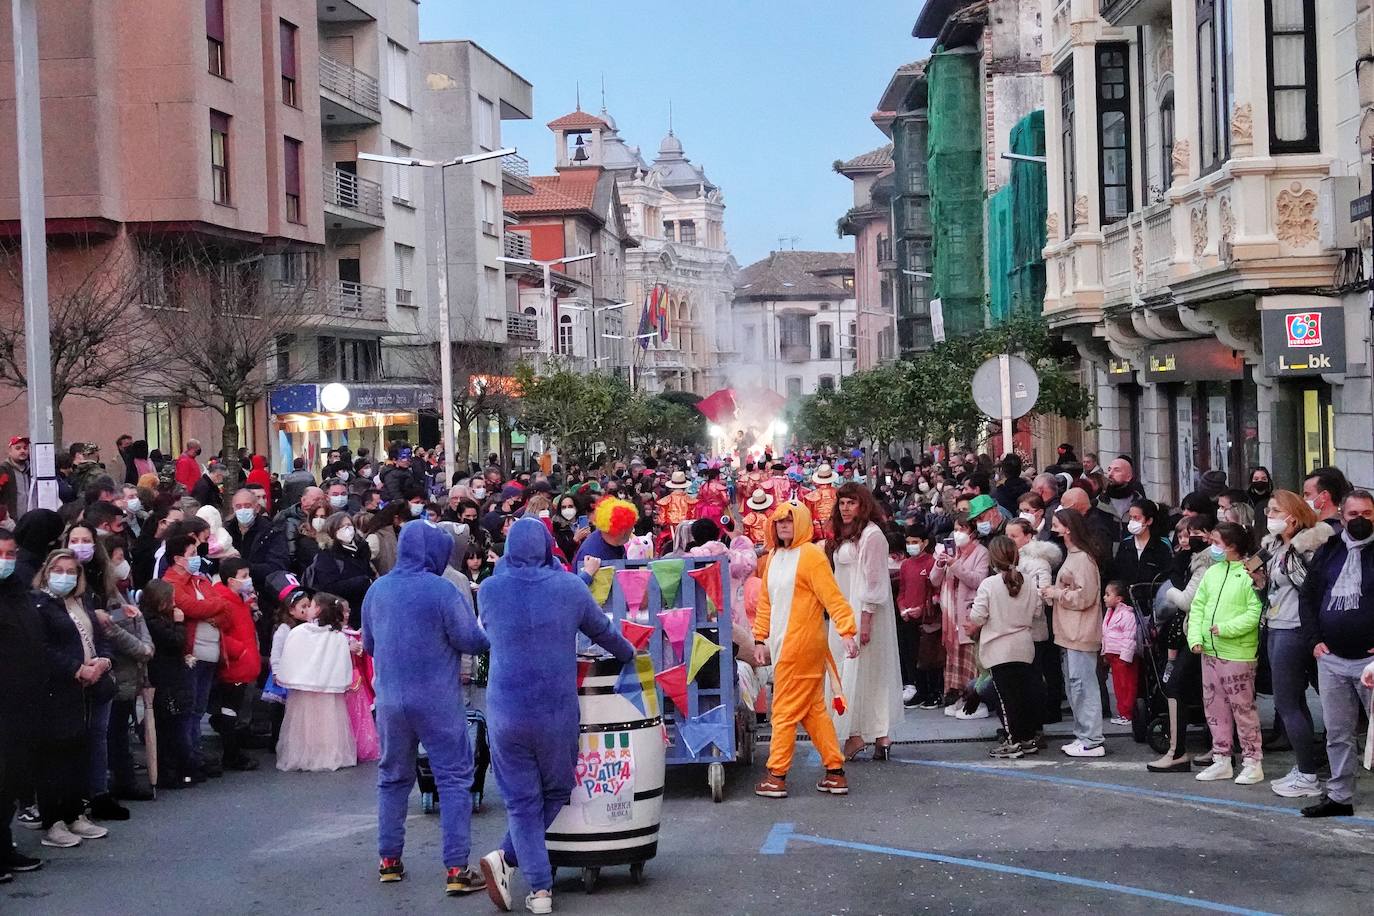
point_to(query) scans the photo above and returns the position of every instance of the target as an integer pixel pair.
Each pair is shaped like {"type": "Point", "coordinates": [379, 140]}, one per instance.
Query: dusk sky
{"type": "Point", "coordinates": [766, 95]}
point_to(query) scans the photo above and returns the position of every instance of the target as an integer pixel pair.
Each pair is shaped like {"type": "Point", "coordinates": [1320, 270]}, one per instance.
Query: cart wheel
{"type": "Point", "coordinates": [1157, 734]}
{"type": "Point", "coordinates": [589, 878]}
{"type": "Point", "coordinates": [715, 778]}
{"type": "Point", "coordinates": [427, 802]}
{"type": "Point", "coordinates": [637, 873]}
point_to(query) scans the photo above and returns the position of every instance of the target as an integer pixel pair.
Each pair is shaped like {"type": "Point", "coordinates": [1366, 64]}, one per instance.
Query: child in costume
{"type": "Point", "coordinates": [614, 520]}
{"type": "Point", "coordinates": [316, 668]}
{"type": "Point", "coordinates": [1120, 631]}
{"type": "Point", "coordinates": [359, 697]}
{"type": "Point", "coordinates": [790, 633]}
{"type": "Point", "coordinates": [533, 612]}
{"type": "Point", "coordinates": [293, 609]}
{"type": "Point", "coordinates": [417, 626]}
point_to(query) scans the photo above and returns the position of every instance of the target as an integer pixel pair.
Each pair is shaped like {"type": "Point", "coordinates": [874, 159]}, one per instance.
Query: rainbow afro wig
{"type": "Point", "coordinates": [614, 517]}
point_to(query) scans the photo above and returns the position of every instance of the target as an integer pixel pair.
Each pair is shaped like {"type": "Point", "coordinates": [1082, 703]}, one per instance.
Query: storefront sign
{"type": "Point", "coordinates": [1120, 371]}
{"type": "Point", "coordinates": [307, 399]}
{"type": "Point", "coordinates": [1202, 360]}
{"type": "Point", "coordinates": [390, 399]}
{"type": "Point", "coordinates": [1303, 341]}
{"type": "Point", "coordinates": [294, 399]}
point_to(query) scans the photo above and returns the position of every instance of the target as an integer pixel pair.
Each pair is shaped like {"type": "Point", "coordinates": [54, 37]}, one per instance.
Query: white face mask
{"type": "Point", "coordinates": [317, 524]}
{"type": "Point", "coordinates": [569, 513]}
{"type": "Point", "coordinates": [338, 502]}
{"type": "Point", "coordinates": [1135, 527]}
{"type": "Point", "coordinates": [913, 550]}
{"type": "Point", "coordinates": [134, 504]}
{"type": "Point", "coordinates": [479, 493]}
{"type": "Point", "coordinates": [1028, 517]}
{"type": "Point", "coordinates": [121, 570]}
{"type": "Point", "coordinates": [961, 539]}
{"type": "Point", "coordinates": [345, 534]}
{"type": "Point", "coordinates": [1312, 504]}
{"type": "Point", "coordinates": [1277, 526]}
{"type": "Point", "coordinates": [366, 472]}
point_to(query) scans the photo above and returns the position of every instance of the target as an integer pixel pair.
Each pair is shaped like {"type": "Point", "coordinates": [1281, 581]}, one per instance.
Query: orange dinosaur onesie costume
{"type": "Point", "coordinates": [798, 588]}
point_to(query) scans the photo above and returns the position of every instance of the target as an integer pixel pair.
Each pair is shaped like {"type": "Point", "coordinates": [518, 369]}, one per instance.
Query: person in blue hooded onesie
{"type": "Point", "coordinates": [416, 626]}
{"type": "Point", "coordinates": [532, 611]}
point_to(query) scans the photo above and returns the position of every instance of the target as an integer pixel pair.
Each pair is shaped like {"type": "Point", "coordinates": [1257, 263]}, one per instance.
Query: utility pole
{"type": "Point", "coordinates": [33, 235]}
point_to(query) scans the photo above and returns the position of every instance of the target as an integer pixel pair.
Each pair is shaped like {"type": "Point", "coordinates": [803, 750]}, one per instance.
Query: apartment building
{"type": "Point", "coordinates": [1203, 156]}
{"type": "Point", "coordinates": [869, 221]}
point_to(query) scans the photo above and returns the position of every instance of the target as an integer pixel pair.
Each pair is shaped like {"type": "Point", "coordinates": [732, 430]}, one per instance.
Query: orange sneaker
{"type": "Point", "coordinates": [772, 787]}
{"type": "Point", "coordinates": [834, 783]}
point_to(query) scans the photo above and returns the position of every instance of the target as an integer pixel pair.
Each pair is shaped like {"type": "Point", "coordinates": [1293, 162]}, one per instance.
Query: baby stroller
{"type": "Point", "coordinates": [481, 759]}
{"type": "Point", "coordinates": [1150, 718]}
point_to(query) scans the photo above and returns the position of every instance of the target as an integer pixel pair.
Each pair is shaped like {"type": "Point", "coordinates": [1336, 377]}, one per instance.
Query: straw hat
{"type": "Point", "coordinates": [678, 481]}
{"type": "Point", "coordinates": [824, 474]}
{"type": "Point", "coordinates": [760, 500]}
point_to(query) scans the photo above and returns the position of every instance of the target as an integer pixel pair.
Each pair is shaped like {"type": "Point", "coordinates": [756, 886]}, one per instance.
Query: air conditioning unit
{"type": "Point", "coordinates": [1333, 211]}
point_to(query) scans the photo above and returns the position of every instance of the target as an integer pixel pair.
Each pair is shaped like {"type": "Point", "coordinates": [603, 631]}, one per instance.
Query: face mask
{"type": "Point", "coordinates": [1360, 528]}
{"type": "Point", "coordinates": [984, 529]}
{"type": "Point", "coordinates": [1218, 553]}
{"type": "Point", "coordinates": [121, 570]}
{"type": "Point", "coordinates": [416, 509]}
{"type": "Point", "coordinates": [1277, 526]}
{"type": "Point", "coordinates": [243, 586]}
{"type": "Point", "coordinates": [133, 505]}
{"type": "Point", "coordinates": [338, 502]}
{"type": "Point", "coordinates": [83, 552]}
{"type": "Point", "coordinates": [913, 550]}
{"type": "Point", "coordinates": [479, 493]}
{"type": "Point", "coordinates": [366, 472]}
{"type": "Point", "coordinates": [1260, 486]}
{"type": "Point", "coordinates": [193, 565]}
{"type": "Point", "coordinates": [569, 514]}
{"type": "Point", "coordinates": [244, 516]}
{"type": "Point", "coordinates": [6, 568]}
{"type": "Point", "coordinates": [61, 584]}
{"type": "Point", "coordinates": [345, 535]}
{"type": "Point", "coordinates": [961, 539]}
{"type": "Point", "coordinates": [1312, 504]}
{"type": "Point", "coordinates": [1135, 527]}
{"type": "Point", "coordinates": [343, 475]}
{"type": "Point", "coordinates": [317, 524]}
{"type": "Point", "coordinates": [1027, 517]}
{"type": "Point", "coordinates": [1196, 544]}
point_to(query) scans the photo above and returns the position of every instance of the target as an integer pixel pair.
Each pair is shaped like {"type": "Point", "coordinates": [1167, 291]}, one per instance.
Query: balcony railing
{"type": "Point", "coordinates": [1159, 246]}
{"type": "Point", "coordinates": [523, 328]}
{"type": "Point", "coordinates": [886, 260]}
{"type": "Point", "coordinates": [516, 166]}
{"type": "Point", "coordinates": [349, 192]}
{"type": "Point", "coordinates": [1116, 261]}
{"type": "Point", "coordinates": [346, 299]}
{"type": "Point", "coordinates": [351, 84]}
{"type": "Point", "coordinates": [517, 244]}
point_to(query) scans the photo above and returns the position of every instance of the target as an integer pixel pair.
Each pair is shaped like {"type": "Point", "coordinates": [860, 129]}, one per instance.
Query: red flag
{"type": "Point", "coordinates": [636, 634]}
{"type": "Point", "coordinates": [674, 685]}
{"type": "Point", "coordinates": [708, 579]}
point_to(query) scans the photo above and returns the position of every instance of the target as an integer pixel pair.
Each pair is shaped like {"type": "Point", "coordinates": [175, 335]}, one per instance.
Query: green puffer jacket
{"type": "Point", "coordinates": [1226, 599]}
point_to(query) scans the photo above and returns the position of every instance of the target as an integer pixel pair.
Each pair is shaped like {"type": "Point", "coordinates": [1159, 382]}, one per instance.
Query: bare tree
{"type": "Point", "coordinates": [99, 346]}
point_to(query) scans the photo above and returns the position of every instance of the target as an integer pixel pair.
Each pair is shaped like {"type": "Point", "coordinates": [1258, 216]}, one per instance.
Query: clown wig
{"type": "Point", "coordinates": [615, 517]}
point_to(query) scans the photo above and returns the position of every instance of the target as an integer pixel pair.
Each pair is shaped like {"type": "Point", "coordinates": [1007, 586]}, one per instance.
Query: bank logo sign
{"type": "Point", "coordinates": [1309, 341]}
{"type": "Point", "coordinates": [1304, 329]}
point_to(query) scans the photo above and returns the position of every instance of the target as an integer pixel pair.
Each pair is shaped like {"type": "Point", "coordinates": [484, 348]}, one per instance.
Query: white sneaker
{"type": "Point", "coordinates": [1120, 720]}
{"type": "Point", "coordinates": [1251, 772]}
{"type": "Point", "coordinates": [952, 709]}
{"type": "Point", "coordinates": [87, 830]}
{"type": "Point", "coordinates": [1283, 780]}
{"type": "Point", "coordinates": [540, 902]}
{"type": "Point", "coordinates": [1220, 769]}
{"type": "Point", "coordinates": [908, 693]}
{"type": "Point", "coordinates": [58, 836]}
{"type": "Point", "coordinates": [980, 713]}
{"type": "Point", "coordinates": [497, 873]}
{"type": "Point", "coordinates": [1079, 749]}
{"type": "Point", "coordinates": [1298, 785]}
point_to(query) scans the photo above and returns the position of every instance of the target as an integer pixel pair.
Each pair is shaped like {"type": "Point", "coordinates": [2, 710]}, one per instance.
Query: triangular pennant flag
{"type": "Point", "coordinates": [674, 685]}
{"type": "Point", "coordinates": [711, 727]}
{"type": "Point", "coordinates": [584, 667]}
{"type": "Point", "coordinates": [644, 667]}
{"type": "Point", "coordinates": [629, 686]}
{"type": "Point", "coordinates": [634, 584]}
{"type": "Point", "coordinates": [601, 584]}
{"type": "Point", "coordinates": [702, 652]}
{"type": "Point", "coordinates": [708, 580]}
{"type": "Point", "coordinates": [668, 573]}
{"type": "Point", "coordinates": [638, 634]}
{"type": "Point", "coordinates": [675, 625]}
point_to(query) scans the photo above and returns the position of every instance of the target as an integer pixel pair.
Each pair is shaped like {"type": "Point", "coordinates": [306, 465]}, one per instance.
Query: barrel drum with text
{"type": "Point", "coordinates": [613, 818]}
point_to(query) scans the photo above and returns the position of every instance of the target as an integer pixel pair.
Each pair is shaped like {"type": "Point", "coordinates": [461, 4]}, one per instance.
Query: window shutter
{"type": "Point", "coordinates": [288, 49]}
{"type": "Point", "coordinates": [291, 160]}
{"type": "Point", "coordinates": [219, 122]}
{"type": "Point", "coordinates": [214, 19]}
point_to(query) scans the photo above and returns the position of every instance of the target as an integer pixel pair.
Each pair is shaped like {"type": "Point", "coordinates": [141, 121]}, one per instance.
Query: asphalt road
{"type": "Point", "coordinates": [940, 828]}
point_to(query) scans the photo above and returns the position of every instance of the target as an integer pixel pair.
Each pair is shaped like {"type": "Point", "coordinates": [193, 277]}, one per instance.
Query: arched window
{"type": "Point", "coordinates": [565, 335]}
{"type": "Point", "coordinates": [1166, 141]}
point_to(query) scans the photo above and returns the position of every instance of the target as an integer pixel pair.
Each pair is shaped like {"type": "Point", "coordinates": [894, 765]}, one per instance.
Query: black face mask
{"type": "Point", "coordinates": [1261, 487]}
{"type": "Point", "coordinates": [203, 550]}
{"type": "Point", "coordinates": [1196, 544]}
{"type": "Point", "coordinates": [1359, 528]}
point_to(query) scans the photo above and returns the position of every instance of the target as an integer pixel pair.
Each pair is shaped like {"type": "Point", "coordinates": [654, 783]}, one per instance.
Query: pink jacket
{"type": "Point", "coordinates": [958, 584]}
{"type": "Point", "coordinates": [1119, 632]}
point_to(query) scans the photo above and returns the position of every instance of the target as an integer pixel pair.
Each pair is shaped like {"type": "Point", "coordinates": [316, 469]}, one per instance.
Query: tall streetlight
{"type": "Point", "coordinates": [632, 362]}
{"type": "Point", "coordinates": [547, 267]}
{"type": "Point", "coordinates": [445, 324]}
{"type": "Point", "coordinates": [595, 310]}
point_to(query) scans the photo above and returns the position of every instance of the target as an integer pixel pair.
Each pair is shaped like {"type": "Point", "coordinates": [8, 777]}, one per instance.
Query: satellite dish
{"type": "Point", "coordinates": [1021, 378]}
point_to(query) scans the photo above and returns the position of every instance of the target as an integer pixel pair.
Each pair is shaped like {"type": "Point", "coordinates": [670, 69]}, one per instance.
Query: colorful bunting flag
{"type": "Point", "coordinates": [674, 685]}
{"type": "Point", "coordinates": [708, 580]}
{"type": "Point", "coordinates": [637, 634]}
{"type": "Point", "coordinates": [584, 667]}
{"type": "Point", "coordinates": [668, 574]}
{"type": "Point", "coordinates": [601, 584]}
{"type": "Point", "coordinates": [630, 686]}
{"type": "Point", "coordinates": [675, 625]}
{"type": "Point", "coordinates": [634, 585]}
{"type": "Point", "coordinates": [644, 667]}
{"type": "Point", "coordinates": [702, 652]}
{"type": "Point", "coordinates": [711, 727]}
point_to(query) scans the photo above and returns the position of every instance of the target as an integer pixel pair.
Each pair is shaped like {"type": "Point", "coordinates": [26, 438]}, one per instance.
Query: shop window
{"type": "Point", "coordinates": [162, 427]}
{"type": "Point", "coordinates": [1114, 132]}
{"type": "Point", "coordinates": [1318, 419]}
{"type": "Point", "coordinates": [1292, 72]}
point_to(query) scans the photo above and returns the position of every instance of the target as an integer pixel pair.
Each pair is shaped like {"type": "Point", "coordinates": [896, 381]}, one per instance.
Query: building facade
{"type": "Point", "coordinates": [1201, 255]}
{"type": "Point", "coordinates": [794, 318]}
{"type": "Point", "coordinates": [869, 221]}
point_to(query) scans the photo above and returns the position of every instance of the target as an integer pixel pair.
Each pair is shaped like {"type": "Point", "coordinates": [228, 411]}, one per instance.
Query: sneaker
{"type": "Point", "coordinates": [59, 837]}
{"type": "Point", "coordinates": [390, 871]}
{"type": "Point", "coordinates": [497, 873]}
{"type": "Point", "coordinates": [1329, 807]}
{"type": "Point", "coordinates": [5, 876]}
{"type": "Point", "coordinates": [105, 808]}
{"type": "Point", "coordinates": [980, 713]}
{"type": "Point", "coordinates": [540, 902]}
{"type": "Point", "coordinates": [1079, 749]}
{"type": "Point", "coordinates": [465, 880]}
{"type": "Point", "coordinates": [1202, 760]}
{"type": "Point", "coordinates": [30, 818]}
{"type": "Point", "coordinates": [908, 694]}
{"type": "Point", "coordinates": [1007, 750]}
{"type": "Point", "coordinates": [1285, 779]}
{"type": "Point", "coordinates": [1251, 772]}
{"type": "Point", "coordinates": [1298, 785]}
{"type": "Point", "coordinates": [1120, 720]}
{"type": "Point", "coordinates": [930, 703]}
{"type": "Point", "coordinates": [834, 783]}
{"type": "Point", "coordinates": [18, 862]}
{"type": "Point", "coordinates": [771, 786]}
{"type": "Point", "coordinates": [952, 709]}
{"type": "Point", "coordinates": [87, 830]}
{"type": "Point", "coordinates": [912, 703]}
{"type": "Point", "coordinates": [1220, 769]}
{"type": "Point", "coordinates": [1032, 746]}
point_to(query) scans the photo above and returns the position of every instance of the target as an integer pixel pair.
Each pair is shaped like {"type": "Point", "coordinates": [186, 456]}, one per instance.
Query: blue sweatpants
{"type": "Point", "coordinates": [442, 727]}
{"type": "Point", "coordinates": [535, 764]}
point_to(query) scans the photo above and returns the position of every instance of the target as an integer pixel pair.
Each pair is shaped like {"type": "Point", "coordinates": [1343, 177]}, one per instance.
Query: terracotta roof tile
{"type": "Point", "coordinates": [796, 273]}
{"type": "Point", "coordinates": [562, 193]}
{"type": "Point", "coordinates": [578, 120]}
{"type": "Point", "coordinates": [880, 158]}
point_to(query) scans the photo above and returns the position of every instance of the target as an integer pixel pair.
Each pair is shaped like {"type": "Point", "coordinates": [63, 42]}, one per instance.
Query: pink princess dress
{"type": "Point", "coordinates": [359, 698]}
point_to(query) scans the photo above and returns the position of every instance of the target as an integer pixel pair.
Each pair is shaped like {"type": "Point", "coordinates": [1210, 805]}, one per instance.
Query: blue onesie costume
{"type": "Point", "coordinates": [532, 611]}
{"type": "Point", "coordinates": [416, 625]}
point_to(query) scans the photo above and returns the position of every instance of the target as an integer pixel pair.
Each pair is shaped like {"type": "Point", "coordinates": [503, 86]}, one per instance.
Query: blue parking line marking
{"type": "Point", "coordinates": [1011, 773]}
{"type": "Point", "coordinates": [778, 837]}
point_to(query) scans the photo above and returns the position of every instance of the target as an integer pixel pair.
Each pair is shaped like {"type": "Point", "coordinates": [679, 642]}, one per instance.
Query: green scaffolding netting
{"type": "Point", "coordinates": [1016, 228]}
{"type": "Point", "coordinates": [956, 187]}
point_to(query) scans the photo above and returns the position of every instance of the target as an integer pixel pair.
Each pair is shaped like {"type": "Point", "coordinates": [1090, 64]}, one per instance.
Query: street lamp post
{"type": "Point", "coordinates": [593, 311]}
{"type": "Point", "coordinates": [445, 320]}
{"type": "Point", "coordinates": [547, 267]}
{"type": "Point", "coordinates": [632, 362]}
